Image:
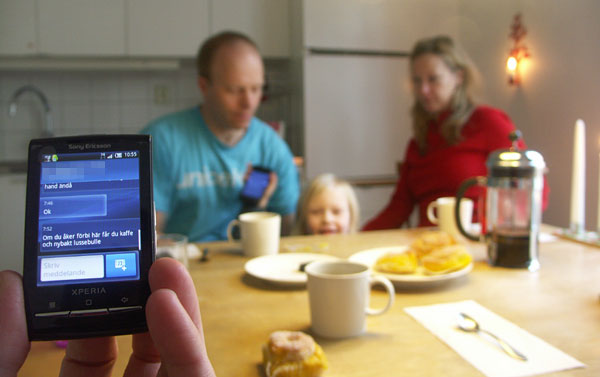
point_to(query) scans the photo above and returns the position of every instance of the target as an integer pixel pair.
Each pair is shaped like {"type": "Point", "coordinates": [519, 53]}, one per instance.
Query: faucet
{"type": "Point", "coordinates": [12, 108]}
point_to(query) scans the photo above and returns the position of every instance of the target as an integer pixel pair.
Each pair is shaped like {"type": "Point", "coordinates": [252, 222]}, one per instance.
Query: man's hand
{"type": "Point", "coordinates": [271, 187]}
{"type": "Point", "coordinates": [13, 327]}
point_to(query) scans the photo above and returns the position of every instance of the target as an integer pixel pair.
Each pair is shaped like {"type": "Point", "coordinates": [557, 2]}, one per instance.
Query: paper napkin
{"type": "Point", "coordinates": [483, 353]}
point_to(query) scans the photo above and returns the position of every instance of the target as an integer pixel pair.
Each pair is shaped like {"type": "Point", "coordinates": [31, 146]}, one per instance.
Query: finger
{"type": "Point", "coordinates": [13, 328]}
{"type": "Point", "coordinates": [264, 200]}
{"type": "Point", "coordinates": [176, 336]}
{"type": "Point", "coordinates": [145, 359]}
{"type": "Point", "coordinates": [165, 273]}
{"type": "Point", "coordinates": [273, 180]}
{"type": "Point", "coordinates": [93, 357]}
{"type": "Point", "coordinates": [248, 171]}
{"type": "Point", "coordinates": [170, 274]}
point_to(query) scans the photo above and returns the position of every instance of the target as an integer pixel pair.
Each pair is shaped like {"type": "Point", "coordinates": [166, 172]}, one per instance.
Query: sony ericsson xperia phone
{"type": "Point", "coordinates": [89, 236]}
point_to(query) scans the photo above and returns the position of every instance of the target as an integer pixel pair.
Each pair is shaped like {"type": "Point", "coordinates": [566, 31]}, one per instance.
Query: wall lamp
{"type": "Point", "coordinates": [518, 53]}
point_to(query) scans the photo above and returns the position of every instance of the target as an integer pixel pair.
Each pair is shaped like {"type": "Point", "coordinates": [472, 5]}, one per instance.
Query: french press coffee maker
{"type": "Point", "coordinates": [513, 210]}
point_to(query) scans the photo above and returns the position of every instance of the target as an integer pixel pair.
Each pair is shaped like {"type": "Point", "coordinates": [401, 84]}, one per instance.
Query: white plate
{"type": "Point", "coordinates": [283, 269]}
{"type": "Point", "coordinates": [418, 279]}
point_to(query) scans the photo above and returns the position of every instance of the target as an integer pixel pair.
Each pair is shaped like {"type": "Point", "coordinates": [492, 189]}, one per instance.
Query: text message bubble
{"type": "Point", "coordinates": [56, 207]}
{"type": "Point", "coordinates": [72, 268]}
{"type": "Point", "coordinates": [90, 235]}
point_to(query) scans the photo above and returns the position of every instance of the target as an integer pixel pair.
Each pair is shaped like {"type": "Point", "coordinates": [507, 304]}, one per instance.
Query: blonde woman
{"type": "Point", "coordinates": [452, 136]}
{"type": "Point", "coordinates": [327, 206]}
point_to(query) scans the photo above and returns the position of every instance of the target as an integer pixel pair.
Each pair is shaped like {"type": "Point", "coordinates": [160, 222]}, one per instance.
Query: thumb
{"type": "Point", "coordinates": [13, 329]}
{"type": "Point", "coordinates": [175, 335]}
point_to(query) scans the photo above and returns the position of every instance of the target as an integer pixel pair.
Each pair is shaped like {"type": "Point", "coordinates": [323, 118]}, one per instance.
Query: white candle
{"type": "Point", "coordinates": [578, 179]}
{"type": "Point", "coordinates": [598, 221]}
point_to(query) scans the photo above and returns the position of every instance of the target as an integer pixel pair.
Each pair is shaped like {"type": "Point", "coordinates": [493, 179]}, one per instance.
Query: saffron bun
{"type": "Point", "coordinates": [432, 253]}
{"type": "Point", "coordinates": [293, 354]}
{"type": "Point", "coordinates": [397, 263]}
{"type": "Point", "coordinates": [446, 259]}
{"type": "Point", "coordinates": [431, 240]}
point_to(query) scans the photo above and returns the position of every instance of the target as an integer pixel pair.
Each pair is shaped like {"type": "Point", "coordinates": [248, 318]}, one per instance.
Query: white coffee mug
{"type": "Point", "coordinates": [441, 213]}
{"type": "Point", "coordinates": [339, 294]}
{"type": "Point", "coordinates": [260, 232]}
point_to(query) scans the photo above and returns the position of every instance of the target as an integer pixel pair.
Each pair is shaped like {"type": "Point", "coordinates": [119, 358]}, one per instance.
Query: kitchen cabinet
{"type": "Point", "coordinates": [137, 28]}
{"type": "Point", "coordinates": [376, 24]}
{"type": "Point", "coordinates": [81, 27]}
{"type": "Point", "coordinates": [265, 21]}
{"type": "Point", "coordinates": [17, 27]}
{"type": "Point", "coordinates": [12, 221]}
{"type": "Point", "coordinates": [164, 28]}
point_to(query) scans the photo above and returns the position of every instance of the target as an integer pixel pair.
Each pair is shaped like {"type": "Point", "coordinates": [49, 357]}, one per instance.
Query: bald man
{"type": "Point", "coordinates": [202, 155]}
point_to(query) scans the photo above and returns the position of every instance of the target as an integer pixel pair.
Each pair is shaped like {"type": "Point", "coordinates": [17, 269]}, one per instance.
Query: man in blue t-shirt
{"type": "Point", "coordinates": [202, 155]}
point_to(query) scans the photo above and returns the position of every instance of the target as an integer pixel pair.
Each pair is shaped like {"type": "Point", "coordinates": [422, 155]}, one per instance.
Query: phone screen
{"type": "Point", "coordinates": [256, 184]}
{"type": "Point", "coordinates": [89, 217]}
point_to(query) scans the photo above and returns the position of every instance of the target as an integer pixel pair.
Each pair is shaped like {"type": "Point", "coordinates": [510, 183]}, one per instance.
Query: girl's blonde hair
{"type": "Point", "coordinates": [317, 186]}
{"type": "Point", "coordinates": [462, 103]}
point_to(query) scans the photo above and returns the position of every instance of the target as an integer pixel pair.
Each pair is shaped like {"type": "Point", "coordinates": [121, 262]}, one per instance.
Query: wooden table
{"type": "Point", "coordinates": [560, 304]}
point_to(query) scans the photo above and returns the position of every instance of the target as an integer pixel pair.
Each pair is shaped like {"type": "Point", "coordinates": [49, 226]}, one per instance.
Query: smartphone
{"type": "Point", "coordinates": [255, 185]}
{"type": "Point", "coordinates": [89, 236]}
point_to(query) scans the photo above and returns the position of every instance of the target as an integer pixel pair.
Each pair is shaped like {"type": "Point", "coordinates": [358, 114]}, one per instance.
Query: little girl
{"type": "Point", "coordinates": [327, 206]}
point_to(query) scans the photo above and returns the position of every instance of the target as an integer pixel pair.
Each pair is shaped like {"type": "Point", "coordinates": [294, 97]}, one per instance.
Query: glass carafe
{"type": "Point", "coordinates": [513, 210]}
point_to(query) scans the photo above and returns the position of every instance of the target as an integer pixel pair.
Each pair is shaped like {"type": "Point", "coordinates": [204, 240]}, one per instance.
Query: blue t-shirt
{"type": "Point", "coordinates": [198, 179]}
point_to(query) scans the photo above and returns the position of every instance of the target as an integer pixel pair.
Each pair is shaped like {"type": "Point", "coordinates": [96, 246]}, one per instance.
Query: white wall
{"type": "Point", "coordinates": [561, 83]}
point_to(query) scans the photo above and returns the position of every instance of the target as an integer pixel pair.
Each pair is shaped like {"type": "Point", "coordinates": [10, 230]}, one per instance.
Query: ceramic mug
{"type": "Point", "coordinates": [339, 294]}
{"type": "Point", "coordinates": [260, 232]}
{"type": "Point", "coordinates": [441, 213]}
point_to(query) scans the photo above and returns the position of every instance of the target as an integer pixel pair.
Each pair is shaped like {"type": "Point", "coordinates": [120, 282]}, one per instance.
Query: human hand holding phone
{"type": "Point", "coordinates": [171, 309]}
{"type": "Point", "coordinates": [88, 267]}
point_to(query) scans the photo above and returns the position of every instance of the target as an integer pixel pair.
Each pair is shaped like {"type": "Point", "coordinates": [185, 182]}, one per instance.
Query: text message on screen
{"type": "Point", "coordinates": [89, 203]}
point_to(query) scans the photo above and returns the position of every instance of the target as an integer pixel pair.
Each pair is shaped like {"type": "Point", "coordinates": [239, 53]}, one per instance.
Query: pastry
{"type": "Point", "coordinates": [446, 259]}
{"type": "Point", "coordinates": [397, 263]}
{"type": "Point", "coordinates": [293, 354]}
{"type": "Point", "coordinates": [431, 240]}
{"type": "Point", "coordinates": [433, 252]}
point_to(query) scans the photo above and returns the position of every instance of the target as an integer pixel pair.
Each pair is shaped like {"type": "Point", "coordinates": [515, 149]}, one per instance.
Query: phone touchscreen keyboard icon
{"type": "Point", "coordinates": [121, 265]}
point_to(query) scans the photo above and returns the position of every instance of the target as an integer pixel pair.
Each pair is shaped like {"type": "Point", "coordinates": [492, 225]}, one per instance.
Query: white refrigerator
{"type": "Point", "coordinates": [356, 120]}
{"type": "Point", "coordinates": [352, 60]}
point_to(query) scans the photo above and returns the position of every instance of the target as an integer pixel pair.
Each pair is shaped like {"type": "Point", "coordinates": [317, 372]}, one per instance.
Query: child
{"type": "Point", "coordinates": [327, 206]}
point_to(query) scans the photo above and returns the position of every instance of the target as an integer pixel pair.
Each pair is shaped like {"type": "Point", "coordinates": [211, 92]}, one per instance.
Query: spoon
{"type": "Point", "coordinates": [468, 324]}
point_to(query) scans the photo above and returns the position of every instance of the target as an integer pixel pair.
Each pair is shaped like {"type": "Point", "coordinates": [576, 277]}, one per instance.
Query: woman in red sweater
{"type": "Point", "coordinates": [452, 137]}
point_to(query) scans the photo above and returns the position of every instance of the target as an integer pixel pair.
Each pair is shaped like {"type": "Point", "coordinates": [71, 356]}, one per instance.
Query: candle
{"type": "Point", "coordinates": [577, 224]}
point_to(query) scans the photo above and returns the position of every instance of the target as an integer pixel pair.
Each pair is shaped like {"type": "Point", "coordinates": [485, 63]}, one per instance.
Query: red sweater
{"type": "Point", "coordinates": [424, 178]}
